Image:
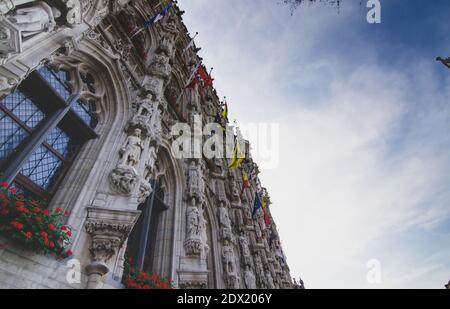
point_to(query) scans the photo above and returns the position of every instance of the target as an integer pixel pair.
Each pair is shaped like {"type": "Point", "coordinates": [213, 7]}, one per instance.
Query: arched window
{"type": "Point", "coordinates": [141, 243]}
{"type": "Point", "coordinates": [43, 125]}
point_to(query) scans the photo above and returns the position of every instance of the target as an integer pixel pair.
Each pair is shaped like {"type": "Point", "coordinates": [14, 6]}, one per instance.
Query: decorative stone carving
{"type": "Point", "coordinates": [203, 233]}
{"type": "Point", "coordinates": [196, 185]}
{"type": "Point", "coordinates": [35, 19]}
{"type": "Point", "coordinates": [229, 264]}
{"type": "Point", "coordinates": [225, 224]}
{"type": "Point", "coordinates": [193, 222]}
{"type": "Point", "coordinates": [160, 66]}
{"type": "Point", "coordinates": [141, 119]}
{"type": "Point", "coordinates": [249, 278]}
{"type": "Point", "coordinates": [244, 246]}
{"type": "Point", "coordinates": [270, 283]}
{"type": "Point", "coordinates": [132, 149]}
{"type": "Point", "coordinates": [123, 179]}
{"type": "Point", "coordinates": [108, 230]}
{"type": "Point", "coordinates": [10, 38]}
{"type": "Point", "coordinates": [145, 189]}
{"type": "Point", "coordinates": [153, 87]}
{"type": "Point", "coordinates": [193, 243]}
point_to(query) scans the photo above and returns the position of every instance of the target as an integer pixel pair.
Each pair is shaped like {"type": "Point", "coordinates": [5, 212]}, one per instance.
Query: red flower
{"type": "Point", "coordinates": [63, 228]}
{"type": "Point", "coordinates": [17, 225]}
{"type": "Point", "coordinates": [58, 210]}
{"type": "Point", "coordinates": [44, 235]}
{"type": "Point", "coordinates": [38, 219]}
{"type": "Point", "coordinates": [13, 190]}
{"type": "Point", "coordinates": [69, 253]}
{"type": "Point", "coordinates": [51, 227]}
{"type": "Point", "coordinates": [69, 233]}
{"type": "Point", "coordinates": [37, 210]}
{"type": "Point", "coordinates": [4, 212]}
{"type": "Point", "coordinates": [51, 245]}
{"type": "Point", "coordinates": [28, 235]}
{"type": "Point", "coordinates": [4, 184]}
{"type": "Point", "coordinates": [19, 204]}
{"type": "Point", "coordinates": [20, 197]}
{"type": "Point", "coordinates": [46, 212]}
{"type": "Point", "coordinates": [67, 213]}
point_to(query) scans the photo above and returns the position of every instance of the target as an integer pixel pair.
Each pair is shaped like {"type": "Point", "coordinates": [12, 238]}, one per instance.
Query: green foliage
{"type": "Point", "coordinates": [28, 224]}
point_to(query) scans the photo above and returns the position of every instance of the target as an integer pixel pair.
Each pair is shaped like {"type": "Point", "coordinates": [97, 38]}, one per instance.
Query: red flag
{"type": "Point", "coordinates": [245, 182]}
{"type": "Point", "coordinates": [266, 217]}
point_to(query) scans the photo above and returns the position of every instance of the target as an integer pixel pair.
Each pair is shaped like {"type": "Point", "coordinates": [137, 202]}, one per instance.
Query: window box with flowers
{"type": "Point", "coordinates": [139, 280]}
{"type": "Point", "coordinates": [28, 224]}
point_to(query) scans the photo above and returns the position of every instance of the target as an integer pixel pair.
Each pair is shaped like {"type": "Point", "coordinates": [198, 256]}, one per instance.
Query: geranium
{"type": "Point", "coordinates": [29, 225]}
{"type": "Point", "coordinates": [140, 280]}
{"type": "Point", "coordinates": [17, 225]}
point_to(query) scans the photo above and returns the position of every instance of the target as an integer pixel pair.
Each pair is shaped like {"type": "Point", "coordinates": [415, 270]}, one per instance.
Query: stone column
{"type": "Point", "coordinates": [108, 229]}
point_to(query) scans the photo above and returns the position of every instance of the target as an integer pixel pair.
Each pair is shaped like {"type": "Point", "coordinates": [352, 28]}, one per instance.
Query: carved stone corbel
{"type": "Point", "coordinates": [108, 229]}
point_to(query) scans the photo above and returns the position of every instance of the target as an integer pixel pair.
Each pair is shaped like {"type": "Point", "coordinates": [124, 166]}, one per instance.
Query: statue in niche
{"type": "Point", "coordinates": [249, 278]}
{"type": "Point", "coordinates": [150, 166]}
{"type": "Point", "coordinates": [132, 149]}
{"type": "Point", "coordinates": [228, 258]}
{"type": "Point", "coordinates": [203, 232]}
{"type": "Point", "coordinates": [224, 218]}
{"type": "Point", "coordinates": [193, 222]}
{"type": "Point", "coordinates": [35, 19]}
{"type": "Point", "coordinates": [244, 245]}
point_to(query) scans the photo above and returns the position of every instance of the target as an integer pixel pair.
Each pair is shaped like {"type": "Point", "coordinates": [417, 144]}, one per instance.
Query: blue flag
{"type": "Point", "coordinates": [158, 17]}
{"type": "Point", "coordinates": [257, 205]}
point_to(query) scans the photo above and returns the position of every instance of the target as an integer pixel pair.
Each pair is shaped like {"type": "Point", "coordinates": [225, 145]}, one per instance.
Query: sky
{"type": "Point", "coordinates": [362, 182]}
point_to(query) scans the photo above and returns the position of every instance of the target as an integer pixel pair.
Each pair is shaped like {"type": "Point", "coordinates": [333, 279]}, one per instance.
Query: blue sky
{"type": "Point", "coordinates": [364, 118]}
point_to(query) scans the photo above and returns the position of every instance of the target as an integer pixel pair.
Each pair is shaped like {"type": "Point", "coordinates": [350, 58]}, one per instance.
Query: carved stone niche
{"type": "Point", "coordinates": [142, 118]}
{"type": "Point", "coordinates": [160, 66]}
{"type": "Point", "coordinates": [10, 39]}
{"type": "Point", "coordinates": [153, 87]}
{"type": "Point", "coordinates": [108, 228]}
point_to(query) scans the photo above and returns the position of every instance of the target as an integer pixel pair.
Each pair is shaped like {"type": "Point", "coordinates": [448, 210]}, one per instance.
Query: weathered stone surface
{"type": "Point", "coordinates": [206, 236]}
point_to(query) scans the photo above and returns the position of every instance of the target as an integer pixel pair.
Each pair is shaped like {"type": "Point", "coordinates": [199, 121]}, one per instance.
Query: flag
{"type": "Point", "coordinates": [264, 208]}
{"type": "Point", "coordinates": [224, 114]}
{"type": "Point", "coordinates": [238, 157]}
{"type": "Point", "coordinates": [200, 76]}
{"type": "Point", "coordinates": [191, 43]}
{"type": "Point", "coordinates": [150, 22]}
{"type": "Point", "coordinates": [245, 182]}
{"type": "Point", "coordinates": [257, 205]}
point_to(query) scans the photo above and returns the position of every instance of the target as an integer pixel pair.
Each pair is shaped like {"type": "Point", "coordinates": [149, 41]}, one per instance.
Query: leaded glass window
{"type": "Point", "coordinates": [22, 113]}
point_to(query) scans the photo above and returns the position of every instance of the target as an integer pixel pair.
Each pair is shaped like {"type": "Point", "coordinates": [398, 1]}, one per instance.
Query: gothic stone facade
{"type": "Point", "coordinates": [206, 236]}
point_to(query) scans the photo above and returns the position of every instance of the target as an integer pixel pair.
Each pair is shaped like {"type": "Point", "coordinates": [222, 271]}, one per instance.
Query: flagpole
{"type": "Point", "coordinates": [190, 44]}
{"type": "Point", "coordinates": [189, 81]}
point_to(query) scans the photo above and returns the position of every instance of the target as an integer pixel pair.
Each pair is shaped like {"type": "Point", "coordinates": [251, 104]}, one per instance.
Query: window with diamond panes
{"type": "Point", "coordinates": [21, 113]}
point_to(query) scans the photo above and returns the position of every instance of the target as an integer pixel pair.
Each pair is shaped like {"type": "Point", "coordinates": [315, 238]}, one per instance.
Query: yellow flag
{"type": "Point", "coordinates": [237, 159]}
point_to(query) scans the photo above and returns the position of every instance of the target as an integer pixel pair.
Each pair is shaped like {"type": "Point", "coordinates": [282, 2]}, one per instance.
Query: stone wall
{"type": "Point", "coordinates": [207, 237]}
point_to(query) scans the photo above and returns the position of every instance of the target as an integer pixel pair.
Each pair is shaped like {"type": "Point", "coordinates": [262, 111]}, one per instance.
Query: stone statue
{"type": "Point", "coordinates": [193, 222]}
{"type": "Point", "coordinates": [150, 166]}
{"type": "Point", "coordinates": [249, 278]}
{"type": "Point", "coordinates": [228, 258]}
{"type": "Point", "coordinates": [224, 218]}
{"type": "Point", "coordinates": [244, 245]}
{"type": "Point", "coordinates": [203, 232]}
{"type": "Point", "coordinates": [132, 149]}
{"type": "Point", "coordinates": [37, 18]}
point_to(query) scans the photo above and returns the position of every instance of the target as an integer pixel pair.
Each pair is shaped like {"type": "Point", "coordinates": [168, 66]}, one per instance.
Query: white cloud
{"type": "Point", "coordinates": [364, 148]}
